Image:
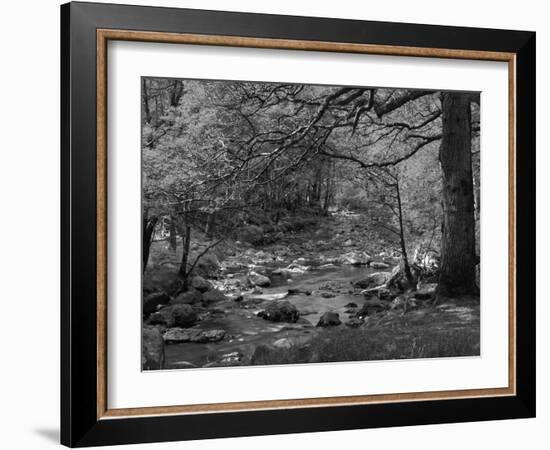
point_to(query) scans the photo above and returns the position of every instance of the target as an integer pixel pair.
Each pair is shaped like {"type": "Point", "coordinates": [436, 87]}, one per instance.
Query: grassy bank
{"type": "Point", "coordinates": [364, 344]}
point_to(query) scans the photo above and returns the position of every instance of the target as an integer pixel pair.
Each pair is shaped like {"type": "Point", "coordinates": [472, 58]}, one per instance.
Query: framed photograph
{"type": "Point", "coordinates": [276, 224]}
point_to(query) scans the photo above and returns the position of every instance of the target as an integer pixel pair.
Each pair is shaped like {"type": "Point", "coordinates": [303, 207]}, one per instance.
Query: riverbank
{"type": "Point", "coordinates": [315, 295]}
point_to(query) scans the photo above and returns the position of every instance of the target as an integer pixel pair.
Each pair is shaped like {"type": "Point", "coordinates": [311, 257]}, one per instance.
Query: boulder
{"type": "Point", "coordinates": [188, 298]}
{"type": "Point", "coordinates": [200, 284]}
{"type": "Point", "coordinates": [355, 322]}
{"type": "Point", "coordinates": [350, 305]}
{"type": "Point", "coordinates": [298, 292]}
{"type": "Point", "coordinates": [329, 319]}
{"type": "Point", "coordinates": [426, 291]}
{"type": "Point", "coordinates": [354, 259]}
{"type": "Point", "coordinates": [297, 268]}
{"type": "Point", "coordinates": [305, 262]}
{"type": "Point", "coordinates": [280, 272]}
{"type": "Point", "coordinates": [379, 265]}
{"type": "Point", "coordinates": [258, 269]}
{"type": "Point", "coordinates": [237, 298]}
{"type": "Point", "coordinates": [208, 336]}
{"type": "Point", "coordinates": [176, 335]}
{"type": "Point", "coordinates": [382, 292]}
{"type": "Point", "coordinates": [252, 234]}
{"type": "Point", "coordinates": [306, 323]}
{"type": "Point", "coordinates": [213, 296]}
{"type": "Point", "coordinates": [371, 306]}
{"type": "Point", "coordinates": [207, 266]}
{"type": "Point", "coordinates": [280, 312]}
{"type": "Point", "coordinates": [152, 349]}
{"type": "Point", "coordinates": [375, 279]}
{"type": "Point", "coordinates": [348, 243]}
{"type": "Point", "coordinates": [174, 315]}
{"type": "Point", "coordinates": [334, 286]}
{"type": "Point", "coordinates": [231, 359]}
{"type": "Point", "coordinates": [152, 301]}
{"type": "Point", "coordinates": [180, 335]}
{"type": "Point", "coordinates": [283, 343]}
{"type": "Point", "coordinates": [258, 279]}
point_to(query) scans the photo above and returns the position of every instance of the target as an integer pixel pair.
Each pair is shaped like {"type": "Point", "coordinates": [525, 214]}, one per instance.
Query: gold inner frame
{"type": "Point", "coordinates": [104, 35]}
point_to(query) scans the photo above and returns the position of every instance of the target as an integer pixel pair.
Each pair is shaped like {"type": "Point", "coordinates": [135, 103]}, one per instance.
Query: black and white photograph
{"type": "Point", "coordinates": [298, 224]}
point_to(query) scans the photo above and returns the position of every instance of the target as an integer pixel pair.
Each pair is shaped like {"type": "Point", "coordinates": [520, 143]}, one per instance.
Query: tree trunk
{"type": "Point", "coordinates": [457, 275]}
{"type": "Point", "coordinates": [404, 255]}
{"type": "Point", "coordinates": [176, 93]}
{"type": "Point", "coordinates": [183, 274]}
{"type": "Point", "coordinates": [149, 224]}
{"type": "Point", "coordinates": [328, 192]}
{"type": "Point", "coordinates": [209, 228]}
{"type": "Point", "coordinates": [145, 99]}
{"type": "Point", "coordinates": [172, 234]}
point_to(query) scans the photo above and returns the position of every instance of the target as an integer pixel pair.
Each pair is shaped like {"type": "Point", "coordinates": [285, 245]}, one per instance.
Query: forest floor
{"type": "Point", "coordinates": [311, 306]}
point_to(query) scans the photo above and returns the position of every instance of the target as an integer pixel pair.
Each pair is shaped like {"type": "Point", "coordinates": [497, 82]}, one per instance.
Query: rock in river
{"type": "Point", "coordinates": [174, 315]}
{"type": "Point", "coordinates": [200, 284]}
{"type": "Point", "coordinates": [283, 343]}
{"type": "Point", "coordinates": [354, 259]}
{"type": "Point", "coordinates": [379, 265]}
{"type": "Point", "coordinates": [372, 306]}
{"type": "Point", "coordinates": [237, 298]}
{"type": "Point", "coordinates": [329, 319]}
{"type": "Point", "coordinates": [212, 296]}
{"type": "Point", "coordinates": [188, 298]}
{"type": "Point", "coordinates": [298, 292]}
{"type": "Point", "coordinates": [258, 279]}
{"type": "Point", "coordinates": [208, 265]}
{"type": "Point", "coordinates": [327, 294]}
{"type": "Point", "coordinates": [382, 292]}
{"type": "Point", "coordinates": [297, 268]}
{"type": "Point", "coordinates": [153, 301]}
{"type": "Point", "coordinates": [252, 234]}
{"type": "Point", "coordinates": [180, 335]}
{"type": "Point", "coordinates": [152, 354]}
{"type": "Point", "coordinates": [281, 272]}
{"type": "Point", "coordinates": [373, 280]}
{"type": "Point", "coordinates": [280, 312]}
{"type": "Point", "coordinates": [355, 322]}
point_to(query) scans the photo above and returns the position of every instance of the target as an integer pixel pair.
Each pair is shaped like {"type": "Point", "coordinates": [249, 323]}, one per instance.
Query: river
{"type": "Point", "coordinates": [245, 330]}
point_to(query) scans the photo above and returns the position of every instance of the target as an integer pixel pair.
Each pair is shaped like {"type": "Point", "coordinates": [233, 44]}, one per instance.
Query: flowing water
{"type": "Point", "coordinates": [245, 330]}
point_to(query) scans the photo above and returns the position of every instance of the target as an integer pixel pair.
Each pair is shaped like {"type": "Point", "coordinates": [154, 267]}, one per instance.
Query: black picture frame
{"type": "Point", "coordinates": [80, 425]}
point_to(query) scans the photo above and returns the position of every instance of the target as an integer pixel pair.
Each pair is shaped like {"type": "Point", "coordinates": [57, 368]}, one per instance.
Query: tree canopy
{"type": "Point", "coordinates": [222, 152]}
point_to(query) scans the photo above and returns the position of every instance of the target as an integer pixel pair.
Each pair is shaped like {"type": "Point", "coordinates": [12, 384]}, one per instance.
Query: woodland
{"type": "Point", "coordinates": [290, 224]}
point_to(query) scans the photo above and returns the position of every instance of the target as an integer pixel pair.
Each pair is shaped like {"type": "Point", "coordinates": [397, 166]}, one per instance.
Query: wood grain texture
{"type": "Point", "coordinates": [103, 35]}
{"type": "Point", "coordinates": [101, 225]}
{"type": "Point", "coordinates": [512, 199]}
{"type": "Point", "coordinates": [287, 44]}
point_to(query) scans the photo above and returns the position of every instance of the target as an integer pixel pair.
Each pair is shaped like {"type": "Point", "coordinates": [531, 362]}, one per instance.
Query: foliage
{"type": "Point", "coordinates": [223, 155]}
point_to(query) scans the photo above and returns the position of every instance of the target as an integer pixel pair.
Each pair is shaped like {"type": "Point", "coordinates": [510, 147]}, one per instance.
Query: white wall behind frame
{"type": "Point", "coordinates": [30, 143]}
